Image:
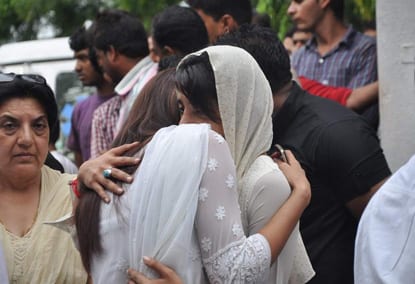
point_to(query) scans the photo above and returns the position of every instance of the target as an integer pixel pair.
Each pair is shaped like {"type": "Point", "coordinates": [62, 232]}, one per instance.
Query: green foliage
{"type": "Point", "coordinates": [21, 19]}
{"type": "Point", "coordinates": [144, 9]}
{"type": "Point", "coordinates": [357, 12]}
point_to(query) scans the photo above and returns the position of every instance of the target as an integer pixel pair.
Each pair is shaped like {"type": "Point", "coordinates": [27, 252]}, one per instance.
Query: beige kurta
{"type": "Point", "coordinates": [45, 254]}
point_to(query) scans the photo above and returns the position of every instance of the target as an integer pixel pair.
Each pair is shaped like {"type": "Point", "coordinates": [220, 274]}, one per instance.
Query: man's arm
{"type": "Point", "coordinates": [363, 96]}
{"type": "Point", "coordinates": [358, 205]}
{"type": "Point", "coordinates": [356, 99]}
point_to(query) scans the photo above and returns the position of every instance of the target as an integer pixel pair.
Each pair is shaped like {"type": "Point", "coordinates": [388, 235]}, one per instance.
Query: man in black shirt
{"type": "Point", "coordinates": [338, 150]}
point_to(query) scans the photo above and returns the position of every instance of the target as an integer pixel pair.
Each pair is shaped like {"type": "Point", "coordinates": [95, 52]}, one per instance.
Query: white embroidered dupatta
{"type": "Point", "coordinates": [168, 236]}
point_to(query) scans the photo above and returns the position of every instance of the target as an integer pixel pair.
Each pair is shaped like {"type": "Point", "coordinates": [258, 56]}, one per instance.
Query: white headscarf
{"type": "Point", "coordinates": [245, 103]}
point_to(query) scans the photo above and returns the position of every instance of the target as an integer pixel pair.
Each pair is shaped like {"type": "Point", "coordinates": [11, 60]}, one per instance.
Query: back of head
{"type": "Point", "coordinates": [170, 61]}
{"type": "Point", "coordinates": [181, 29]}
{"type": "Point", "coordinates": [261, 19]}
{"type": "Point", "coordinates": [122, 31]}
{"type": "Point", "coordinates": [240, 10]}
{"type": "Point", "coordinates": [29, 86]}
{"type": "Point", "coordinates": [196, 80]}
{"type": "Point", "coordinates": [263, 44]}
{"type": "Point", "coordinates": [337, 6]}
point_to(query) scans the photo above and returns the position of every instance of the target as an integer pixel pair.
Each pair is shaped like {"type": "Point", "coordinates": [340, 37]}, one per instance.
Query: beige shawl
{"type": "Point", "coordinates": [45, 254]}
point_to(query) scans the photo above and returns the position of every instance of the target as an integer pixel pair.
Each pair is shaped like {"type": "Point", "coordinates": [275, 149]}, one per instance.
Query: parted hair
{"type": "Point", "coordinates": [196, 80]}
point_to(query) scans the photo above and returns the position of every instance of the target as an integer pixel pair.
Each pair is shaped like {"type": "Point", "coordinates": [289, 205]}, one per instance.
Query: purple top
{"type": "Point", "coordinates": [80, 137]}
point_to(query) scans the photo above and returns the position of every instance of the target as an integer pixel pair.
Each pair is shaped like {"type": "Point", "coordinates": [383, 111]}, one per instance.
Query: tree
{"type": "Point", "coordinates": [22, 19]}
{"type": "Point", "coordinates": [357, 12]}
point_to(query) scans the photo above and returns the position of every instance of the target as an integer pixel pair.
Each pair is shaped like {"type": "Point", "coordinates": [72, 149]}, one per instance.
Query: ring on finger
{"type": "Point", "coordinates": [107, 173]}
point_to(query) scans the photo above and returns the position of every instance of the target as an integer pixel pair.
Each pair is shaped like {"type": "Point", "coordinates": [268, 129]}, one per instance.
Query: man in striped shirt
{"type": "Point", "coordinates": [336, 55]}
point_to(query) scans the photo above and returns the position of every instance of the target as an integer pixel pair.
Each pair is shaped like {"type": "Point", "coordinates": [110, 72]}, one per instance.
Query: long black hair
{"type": "Point", "coordinates": [154, 108]}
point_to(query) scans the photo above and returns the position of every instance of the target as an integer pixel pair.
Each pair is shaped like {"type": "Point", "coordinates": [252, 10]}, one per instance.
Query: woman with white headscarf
{"type": "Point", "coordinates": [244, 103]}
{"type": "Point", "coordinates": [182, 206]}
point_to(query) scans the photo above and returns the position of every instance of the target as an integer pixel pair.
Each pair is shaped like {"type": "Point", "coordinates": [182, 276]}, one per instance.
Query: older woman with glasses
{"type": "Point", "coordinates": [31, 194]}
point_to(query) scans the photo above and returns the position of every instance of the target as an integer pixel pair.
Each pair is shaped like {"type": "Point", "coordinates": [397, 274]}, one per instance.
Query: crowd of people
{"type": "Point", "coordinates": [211, 152]}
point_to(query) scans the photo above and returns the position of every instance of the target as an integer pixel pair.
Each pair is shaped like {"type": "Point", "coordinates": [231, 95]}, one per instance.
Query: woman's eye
{"type": "Point", "coordinates": [40, 126]}
{"type": "Point", "coordinates": [9, 126]}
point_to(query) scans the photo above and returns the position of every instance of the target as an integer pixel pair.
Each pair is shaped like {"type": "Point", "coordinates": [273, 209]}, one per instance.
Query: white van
{"type": "Point", "coordinates": [47, 57]}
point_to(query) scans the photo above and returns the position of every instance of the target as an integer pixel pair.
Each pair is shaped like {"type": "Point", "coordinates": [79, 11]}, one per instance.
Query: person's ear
{"type": "Point", "coordinates": [324, 3]}
{"type": "Point", "coordinates": [167, 51]}
{"type": "Point", "coordinates": [112, 54]}
{"type": "Point", "coordinates": [228, 23]}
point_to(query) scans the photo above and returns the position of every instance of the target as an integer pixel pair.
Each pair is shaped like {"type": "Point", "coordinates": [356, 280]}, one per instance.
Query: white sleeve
{"type": "Point", "coordinates": [385, 239]}
{"type": "Point", "coordinates": [228, 256]}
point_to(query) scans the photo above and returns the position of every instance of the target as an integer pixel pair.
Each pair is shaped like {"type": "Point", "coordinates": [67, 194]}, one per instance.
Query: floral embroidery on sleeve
{"type": "Point", "coordinates": [236, 230]}
{"type": "Point", "coordinates": [230, 181]}
{"type": "Point", "coordinates": [206, 244]}
{"type": "Point", "coordinates": [203, 194]}
{"type": "Point", "coordinates": [212, 164]}
{"type": "Point", "coordinates": [220, 213]}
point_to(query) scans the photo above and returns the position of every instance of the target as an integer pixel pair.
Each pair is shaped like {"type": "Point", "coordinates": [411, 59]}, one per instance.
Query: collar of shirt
{"type": "Point", "coordinates": [131, 78]}
{"type": "Point", "coordinates": [347, 40]}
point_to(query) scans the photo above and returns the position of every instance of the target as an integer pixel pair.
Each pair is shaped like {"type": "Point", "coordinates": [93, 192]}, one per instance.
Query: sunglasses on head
{"type": "Point", "coordinates": [32, 78]}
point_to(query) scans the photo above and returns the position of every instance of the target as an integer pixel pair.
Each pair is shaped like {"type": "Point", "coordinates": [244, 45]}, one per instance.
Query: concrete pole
{"type": "Point", "coordinates": [396, 62]}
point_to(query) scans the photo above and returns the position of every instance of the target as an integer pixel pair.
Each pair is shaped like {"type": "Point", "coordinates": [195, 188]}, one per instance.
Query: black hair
{"type": "Point", "coordinates": [240, 10]}
{"type": "Point", "coordinates": [122, 31]}
{"type": "Point", "coordinates": [196, 80]}
{"type": "Point", "coordinates": [170, 61]}
{"type": "Point", "coordinates": [337, 6]}
{"type": "Point", "coordinates": [78, 40]}
{"type": "Point", "coordinates": [263, 44]}
{"type": "Point", "coordinates": [261, 19]}
{"type": "Point", "coordinates": [370, 24]}
{"type": "Point", "coordinates": [20, 87]}
{"type": "Point", "coordinates": [55, 132]}
{"type": "Point", "coordinates": [290, 32]}
{"type": "Point", "coordinates": [83, 39]}
{"type": "Point", "coordinates": [52, 163]}
{"type": "Point", "coordinates": [181, 29]}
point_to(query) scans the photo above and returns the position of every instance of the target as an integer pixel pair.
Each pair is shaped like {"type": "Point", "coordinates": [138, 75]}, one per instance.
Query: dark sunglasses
{"type": "Point", "coordinates": [32, 78]}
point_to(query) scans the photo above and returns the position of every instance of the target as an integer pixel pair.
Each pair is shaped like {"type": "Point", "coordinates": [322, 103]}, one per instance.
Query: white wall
{"type": "Point", "coordinates": [396, 61]}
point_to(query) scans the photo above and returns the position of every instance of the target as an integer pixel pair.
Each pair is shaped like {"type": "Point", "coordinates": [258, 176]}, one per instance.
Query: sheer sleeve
{"type": "Point", "coordinates": [228, 256]}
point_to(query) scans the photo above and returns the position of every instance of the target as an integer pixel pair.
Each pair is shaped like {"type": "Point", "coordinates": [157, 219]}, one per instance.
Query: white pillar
{"type": "Point", "coordinates": [396, 62]}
